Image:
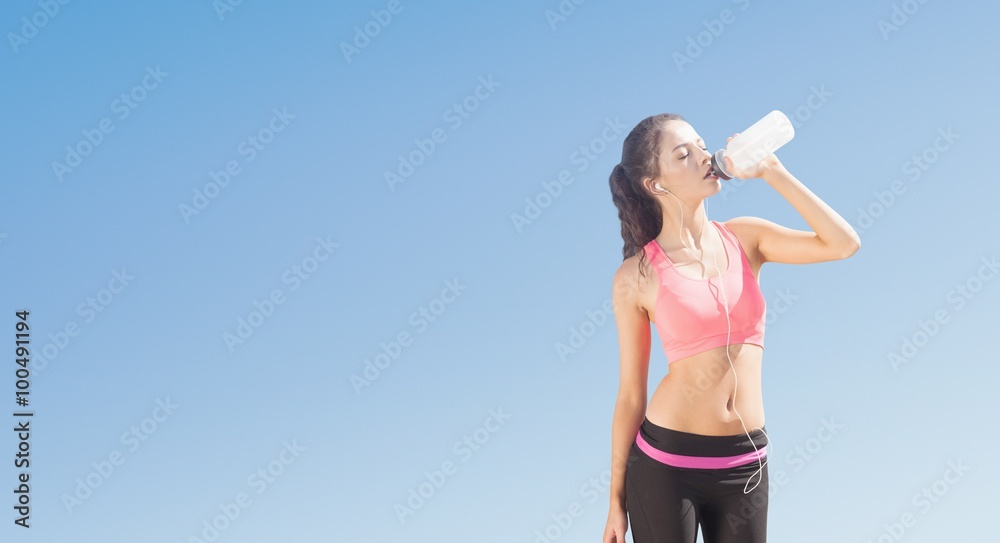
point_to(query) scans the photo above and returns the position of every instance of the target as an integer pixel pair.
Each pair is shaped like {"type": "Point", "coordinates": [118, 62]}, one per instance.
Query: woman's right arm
{"type": "Point", "coordinates": [633, 340]}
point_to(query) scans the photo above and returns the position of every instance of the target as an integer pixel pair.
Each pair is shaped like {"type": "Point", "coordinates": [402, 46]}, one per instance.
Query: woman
{"type": "Point", "coordinates": [696, 455]}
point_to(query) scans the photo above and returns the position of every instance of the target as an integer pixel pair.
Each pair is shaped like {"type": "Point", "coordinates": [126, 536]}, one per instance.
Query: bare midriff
{"type": "Point", "coordinates": [696, 395]}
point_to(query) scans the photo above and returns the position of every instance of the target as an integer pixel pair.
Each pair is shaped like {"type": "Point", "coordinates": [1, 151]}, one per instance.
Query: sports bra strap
{"type": "Point", "coordinates": [656, 255]}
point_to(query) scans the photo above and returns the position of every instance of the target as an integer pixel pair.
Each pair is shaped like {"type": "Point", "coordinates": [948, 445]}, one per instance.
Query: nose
{"type": "Point", "coordinates": [707, 159]}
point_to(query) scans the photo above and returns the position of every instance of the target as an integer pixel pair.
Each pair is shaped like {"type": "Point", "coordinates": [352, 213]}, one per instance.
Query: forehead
{"type": "Point", "coordinates": [678, 132]}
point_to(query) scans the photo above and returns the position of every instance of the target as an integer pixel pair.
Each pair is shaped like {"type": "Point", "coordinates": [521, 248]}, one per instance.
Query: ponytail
{"type": "Point", "coordinates": [639, 212]}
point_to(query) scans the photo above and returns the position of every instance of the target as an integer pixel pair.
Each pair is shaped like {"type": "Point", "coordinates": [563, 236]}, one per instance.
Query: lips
{"type": "Point", "coordinates": [709, 173]}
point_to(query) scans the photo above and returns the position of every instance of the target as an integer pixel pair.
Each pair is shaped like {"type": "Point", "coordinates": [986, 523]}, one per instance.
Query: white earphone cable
{"type": "Point", "coordinates": [725, 304]}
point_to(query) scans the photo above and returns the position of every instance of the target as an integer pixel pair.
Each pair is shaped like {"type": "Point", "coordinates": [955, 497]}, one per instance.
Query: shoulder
{"type": "Point", "coordinates": [745, 225]}
{"type": "Point", "coordinates": [626, 272]}
{"type": "Point", "coordinates": [747, 230]}
{"type": "Point", "coordinates": [628, 281]}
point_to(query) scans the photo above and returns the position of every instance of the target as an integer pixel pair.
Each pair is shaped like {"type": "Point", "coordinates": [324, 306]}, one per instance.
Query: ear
{"type": "Point", "coordinates": [651, 184]}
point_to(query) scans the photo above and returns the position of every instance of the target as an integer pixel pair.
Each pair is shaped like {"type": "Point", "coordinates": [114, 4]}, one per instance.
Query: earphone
{"type": "Point", "coordinates": [725, 304]}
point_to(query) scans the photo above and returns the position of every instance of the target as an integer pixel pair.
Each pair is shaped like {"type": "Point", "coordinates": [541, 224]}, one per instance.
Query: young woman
{"type": "Point", "coordinates": [696, 455]}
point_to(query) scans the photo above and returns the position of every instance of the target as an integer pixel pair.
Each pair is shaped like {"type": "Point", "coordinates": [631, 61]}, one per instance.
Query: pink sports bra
{"type": "Point", "coordinates": [689, 311]}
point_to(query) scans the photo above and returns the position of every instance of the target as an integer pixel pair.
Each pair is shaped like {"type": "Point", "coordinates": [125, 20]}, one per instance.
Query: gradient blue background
{"type": "Point", "coordinates": [494, 347]}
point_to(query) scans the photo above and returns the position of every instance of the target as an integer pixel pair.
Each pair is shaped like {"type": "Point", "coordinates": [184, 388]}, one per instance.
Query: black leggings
{"type": "Point", "coordinates": [676, 481]}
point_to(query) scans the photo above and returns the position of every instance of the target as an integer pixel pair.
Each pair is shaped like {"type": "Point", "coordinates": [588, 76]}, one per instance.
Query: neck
{"type": "Point", "coordinates": [691, 230]}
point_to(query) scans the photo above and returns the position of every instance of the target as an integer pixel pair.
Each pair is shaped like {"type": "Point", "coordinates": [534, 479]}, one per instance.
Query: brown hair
{"type": "Point", "coordinates": [638, 211]}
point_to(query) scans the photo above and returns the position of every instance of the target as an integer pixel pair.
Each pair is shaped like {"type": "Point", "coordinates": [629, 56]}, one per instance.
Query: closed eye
{"type": "Point", "coordinates": [685, 156]}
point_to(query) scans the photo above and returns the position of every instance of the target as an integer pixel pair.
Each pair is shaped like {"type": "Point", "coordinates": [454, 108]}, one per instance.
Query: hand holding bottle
{"type": "Point", "coordinates": [758, 169]}
{"type": "Point", "coordinates": [751, 153]}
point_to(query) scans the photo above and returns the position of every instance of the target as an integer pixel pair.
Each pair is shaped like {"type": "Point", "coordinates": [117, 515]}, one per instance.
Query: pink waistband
{"type": "Point", "coordinates": [702, 462]}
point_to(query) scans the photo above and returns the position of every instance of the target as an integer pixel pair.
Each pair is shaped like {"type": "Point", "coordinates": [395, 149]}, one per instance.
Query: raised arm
{"type": "Point", "coordinates": [833, 237]}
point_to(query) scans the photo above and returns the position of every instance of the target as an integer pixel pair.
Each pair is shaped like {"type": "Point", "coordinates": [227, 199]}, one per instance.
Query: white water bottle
{"type": "Point", "coordinates": [754, 144]}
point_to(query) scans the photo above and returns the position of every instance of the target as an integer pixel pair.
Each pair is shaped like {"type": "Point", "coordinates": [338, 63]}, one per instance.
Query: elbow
{"type": "Point", "coordinates": [851, 248]}
{"type": "Point", "coordinates": [850, 251]}
{"type": "Point", "coordinates": [632, 399]}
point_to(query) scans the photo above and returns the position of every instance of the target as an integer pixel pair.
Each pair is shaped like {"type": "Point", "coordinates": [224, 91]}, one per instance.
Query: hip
{"type": "Point", "coordinates": [687, 450]}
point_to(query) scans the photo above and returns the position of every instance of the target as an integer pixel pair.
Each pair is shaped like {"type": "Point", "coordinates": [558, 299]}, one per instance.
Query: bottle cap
{"type": "Point", "coordinates": [719, 165]}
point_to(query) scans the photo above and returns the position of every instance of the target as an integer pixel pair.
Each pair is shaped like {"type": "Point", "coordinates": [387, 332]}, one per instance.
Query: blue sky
{"type": "Point", "coordinates": [278, 282]}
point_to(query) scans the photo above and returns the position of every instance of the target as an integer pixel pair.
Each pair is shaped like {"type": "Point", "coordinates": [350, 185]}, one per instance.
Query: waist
{"type": "Point", "coordinates": [700, 395]}
{"type": "Point", "coordinates": [690, 450]}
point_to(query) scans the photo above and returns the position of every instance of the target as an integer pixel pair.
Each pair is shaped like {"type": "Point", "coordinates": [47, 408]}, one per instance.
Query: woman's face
{"type": "Point", "coordinates": [684, 161]}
